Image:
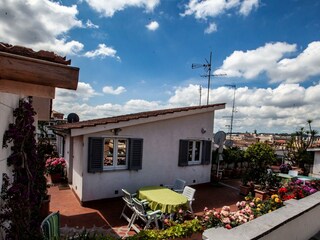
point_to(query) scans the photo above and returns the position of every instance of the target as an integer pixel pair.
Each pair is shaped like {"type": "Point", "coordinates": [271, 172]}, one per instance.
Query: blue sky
{"type": "Point", "coordinates": [136, 55]}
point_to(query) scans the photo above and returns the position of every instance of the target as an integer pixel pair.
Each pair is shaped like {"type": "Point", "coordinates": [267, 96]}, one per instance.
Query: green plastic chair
{"type": "Point", "coordinates": [50, 226]}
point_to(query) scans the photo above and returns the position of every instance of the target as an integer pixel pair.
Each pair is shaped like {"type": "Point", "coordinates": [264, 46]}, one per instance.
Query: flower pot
{"type": "Point", "coordinates": [45, 206]}
{"type": "Point", "coordinates": [263, 195]}
{"type": "Point", "coordinates": [56, 177]}
{"type": "Point", "coordinates": [244, 190]}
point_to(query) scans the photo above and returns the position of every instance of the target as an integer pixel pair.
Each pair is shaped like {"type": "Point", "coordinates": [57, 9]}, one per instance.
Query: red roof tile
{"type": "Point", "coordinates": [133, 116]}
{"type": "Point", "coordinates": [28, 52]}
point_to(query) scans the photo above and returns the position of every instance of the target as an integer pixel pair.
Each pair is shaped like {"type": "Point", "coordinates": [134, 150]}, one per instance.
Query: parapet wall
{"type": "Point", "coordinates": [298, 219]}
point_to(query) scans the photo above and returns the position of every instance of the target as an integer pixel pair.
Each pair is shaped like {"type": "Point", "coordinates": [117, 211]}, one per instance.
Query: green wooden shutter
{"type": "Point", "coordinates": [206, 152]}
{"type": "Point", "coordinates": [95, 155]}
{"type": "Point", "coordinates": [135, 153]}
{"type": "Point", "coordinates": [183, 153]}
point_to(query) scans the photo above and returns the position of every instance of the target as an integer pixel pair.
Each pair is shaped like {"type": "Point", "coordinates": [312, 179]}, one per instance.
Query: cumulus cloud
{"type": "Point", "coordinates": [212, 8]}
{"type": "Point", "coordinates": [102, 51]}
{"type": "Point", "coordinates": [247, 6]}
{"type": "Point", "coordinates": [90, 24]}
{"type": "Point", "coordinates": [281, 109]}
{"type": "Point", "coordinates": [83, 93]}
{"type": "Point", "coordinates": [251, 63]}
{"type": "Point", "coordinates": [299, 69]}
{"type": "Point", "coordinates": [211, 28]}
{"type": "Point", "coordinates": [108, 7]}
{"type": "Point", "coordinates": [111, 90]}
{"type": "Point", "coordinates": [152, 26]}
{"type": "Point", "coordinates": [270, 59]}
{"type": "Point", "coordinates": [39, 24]}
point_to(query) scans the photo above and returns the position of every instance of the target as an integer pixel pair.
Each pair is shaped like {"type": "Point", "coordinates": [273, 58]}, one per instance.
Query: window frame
{"type": "Point", "coordinates": [115, 154]}
{"type": "Point", "coordinates": [194, 161]}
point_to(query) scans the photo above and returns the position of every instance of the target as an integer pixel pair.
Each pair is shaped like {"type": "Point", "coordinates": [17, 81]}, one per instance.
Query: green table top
{"type": "Point", "coordinates": [163, 199]}
{"type": "Point", "coordinates": [284, 175]}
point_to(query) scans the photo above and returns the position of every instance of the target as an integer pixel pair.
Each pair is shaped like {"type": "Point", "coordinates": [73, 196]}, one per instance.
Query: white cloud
{"type": "Point", "coordinates": [298, 69]}
{"type": "Point", "coordinates": [152, 26]}
{"type": "Point", "coordinates": [102, 51]}
{"type": "Point", "coordinates": [247, 6]}
{"type": "Point", "coordinates": [251, 63]}
{"type": "Point", "coordinates": [211, 28]}
{"type": "Point", "coordinates": [83, 93]}
{"type": "Point", "coordinates": [212, 8]}
{"type": "Point", "coordinates": [281, 109]}
{"type": "Point", "coordinates": [109, 7]}
{"type": "Point", "coordinates": [111, 90]}
{"type": "Point", "coordinates": [90, 24]}
{"type": "Point", "coordinates": [270, 59]}
{"type": "Point", "coordinates": [40, 25]}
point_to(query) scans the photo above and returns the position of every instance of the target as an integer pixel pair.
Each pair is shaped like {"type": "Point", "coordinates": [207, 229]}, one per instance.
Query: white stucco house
{"type": "Point", "coordinates": [25, 73]}
{"type": "Point", "coordinates": [135, 150]}
{"type": "Point", "coordinates": [315, 171]}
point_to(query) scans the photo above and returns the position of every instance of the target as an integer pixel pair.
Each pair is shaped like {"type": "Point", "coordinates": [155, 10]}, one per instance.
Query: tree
{"type": "Point", "coordinates": [298, 144]}
{"type": "Point", "coordinates": [260, 156]}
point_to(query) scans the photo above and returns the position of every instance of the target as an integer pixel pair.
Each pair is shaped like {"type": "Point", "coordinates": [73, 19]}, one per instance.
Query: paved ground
{"type": "Point", "coordinates": [103, 215]}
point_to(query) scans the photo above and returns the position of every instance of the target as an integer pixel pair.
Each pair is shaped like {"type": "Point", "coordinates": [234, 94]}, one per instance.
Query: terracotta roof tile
{"type": "Point", "coordinates": [28, 52]}
{"type": "Point", "coordinates": [128, 117]}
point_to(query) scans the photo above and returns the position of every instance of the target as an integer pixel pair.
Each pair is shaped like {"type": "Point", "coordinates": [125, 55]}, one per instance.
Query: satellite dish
{"type": "Point", "coordinates": [72, 118]}
{"type": "Point", "coordinates": [219, 137]}
{"type": "Point", "coordinates": [228, 143]}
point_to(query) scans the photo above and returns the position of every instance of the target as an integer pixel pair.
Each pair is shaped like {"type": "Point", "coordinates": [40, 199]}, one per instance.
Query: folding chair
{"type": "Point", "coordinates": [148, 216]}
{"type": "Point", "coordinates": [178, 185]}
{"type": "Point", "coordinates": [50, 226]}
{"type": "Point", "coordinates": [127, 198]}
{"type": "Point", "coordinates": [189, 193]}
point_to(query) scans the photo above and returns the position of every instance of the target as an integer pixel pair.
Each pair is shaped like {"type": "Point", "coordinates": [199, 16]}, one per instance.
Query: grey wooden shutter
{"type": "Point", "coordinates": [135, 153]}
{"type": "Point", "coordinates": [95, 155]}
{"type": "Point", "coordinates": [206, 152]}
{"type": "Point", "coordinates": [183, 153]}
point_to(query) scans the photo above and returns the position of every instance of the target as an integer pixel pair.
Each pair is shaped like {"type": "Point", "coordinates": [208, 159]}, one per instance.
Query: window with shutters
{"type": "Point", "coordinates": [114, 154]}
{"type": "Point", "coordinates": [193, 152]}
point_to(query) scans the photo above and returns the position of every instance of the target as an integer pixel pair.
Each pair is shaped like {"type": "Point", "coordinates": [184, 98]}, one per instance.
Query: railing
{"type": "Point", "coordinates": [298, 219]}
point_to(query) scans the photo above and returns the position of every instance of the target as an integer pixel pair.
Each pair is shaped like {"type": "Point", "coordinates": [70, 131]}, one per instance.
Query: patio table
{"type": "Point", "coordinates": [284, 175]}
{"type": "Point", "coordinates": [163, 199]}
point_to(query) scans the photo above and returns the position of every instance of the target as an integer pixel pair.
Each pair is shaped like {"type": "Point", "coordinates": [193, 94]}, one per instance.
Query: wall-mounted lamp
{"type": "Point", "coordinates": [203, 130]}
{"type": "Point", "coordinates": [116, 131]}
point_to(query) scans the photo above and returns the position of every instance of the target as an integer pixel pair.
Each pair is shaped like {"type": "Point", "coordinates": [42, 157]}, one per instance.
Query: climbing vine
{"type": "Point", "coordinates": [20, 212]}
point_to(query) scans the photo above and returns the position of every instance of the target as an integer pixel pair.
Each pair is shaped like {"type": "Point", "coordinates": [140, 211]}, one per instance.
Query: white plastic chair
{"type": "Point", "coordinates": [148, 216]}
{"type": "Point", "coordinates": [189, 193]}
{"type": "Point", "coordinates": [178, 185]}
{"type": "Point", "coordinates": [127, 198]}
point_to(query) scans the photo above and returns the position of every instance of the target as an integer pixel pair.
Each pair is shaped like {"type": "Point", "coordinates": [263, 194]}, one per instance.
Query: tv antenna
{"type": "Point", "coordinates": [207, 67]}
{"type": "Point", "coordinates": [234, 87]}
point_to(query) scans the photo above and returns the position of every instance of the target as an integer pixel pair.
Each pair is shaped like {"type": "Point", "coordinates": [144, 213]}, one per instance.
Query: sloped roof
{"type": "Point", "coordinates": [133, 116]}
{"type": "Point", "coordinates": [28, 52]}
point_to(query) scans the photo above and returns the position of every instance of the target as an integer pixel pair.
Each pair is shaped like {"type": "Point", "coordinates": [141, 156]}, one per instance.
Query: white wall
{"type": "Point", "coordinates": [8, 102]}
{"type": "Point", "coordinates": [159, 163]}
{"type": "Point", "coordinates": [316, 164]}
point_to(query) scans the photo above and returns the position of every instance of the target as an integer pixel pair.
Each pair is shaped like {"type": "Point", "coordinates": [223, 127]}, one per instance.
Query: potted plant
{"type": "Point", "coordinates": [246, 187]}
{"type": "Point", "coordinates": [55, 168]}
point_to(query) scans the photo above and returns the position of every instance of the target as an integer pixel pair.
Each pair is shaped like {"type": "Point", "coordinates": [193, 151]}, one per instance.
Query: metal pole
{"type": "Point", "coordinates": [234, 97]}
{"type": "Point", "coordinates": [209, 75]}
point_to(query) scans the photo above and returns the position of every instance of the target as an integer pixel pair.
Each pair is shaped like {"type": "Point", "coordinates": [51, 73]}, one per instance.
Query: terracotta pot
{"type": "Point", "coordinates": [244, 190]}
{"type": "Point", "coordinates": [260, 194]}
{"type": "Point", "coordinates": [56, 177]}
